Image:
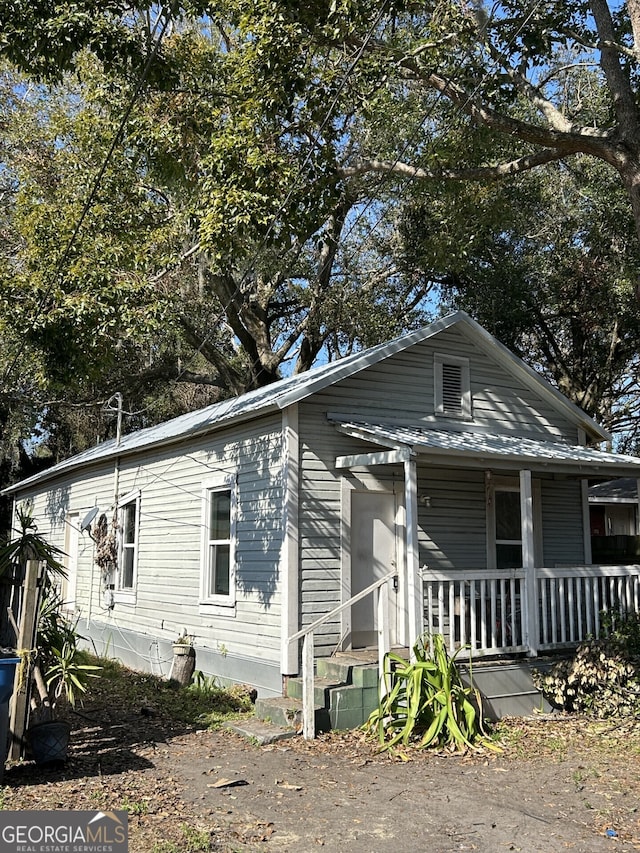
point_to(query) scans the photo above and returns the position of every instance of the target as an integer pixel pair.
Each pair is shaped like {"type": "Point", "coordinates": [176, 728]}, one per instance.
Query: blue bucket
{"type": "Point", "coordinates": [7, 676]}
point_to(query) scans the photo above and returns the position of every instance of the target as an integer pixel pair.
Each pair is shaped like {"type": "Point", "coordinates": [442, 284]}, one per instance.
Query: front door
{"type": "Point", "coordinates": [373, 555]}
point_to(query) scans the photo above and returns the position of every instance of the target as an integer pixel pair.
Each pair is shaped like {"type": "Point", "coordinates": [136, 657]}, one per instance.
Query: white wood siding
{"type": "Point", "coordinates": [452, 531]}
{"type": "Point", "coordinates": [168, 585]}
{"type": "Point", "coordinates": [401, 390]}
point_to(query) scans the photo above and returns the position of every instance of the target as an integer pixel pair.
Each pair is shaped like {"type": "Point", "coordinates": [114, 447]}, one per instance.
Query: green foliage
{"type": "Point", "coordinates": [202, 705]}
{"type": "Point", "coordinates": [425, 703]}
{"type": "Point", "coordinates": [602, 679]}
{"type": "Point", "coordinates": [256, 212]}
{"type": "Point", "coordinates": [65, 667]}
{"type": "Point", "coordinates": [30, 545]}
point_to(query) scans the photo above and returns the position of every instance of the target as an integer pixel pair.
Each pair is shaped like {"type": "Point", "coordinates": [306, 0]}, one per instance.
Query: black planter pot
{"type": "Point", "coordinates": [49, 742]}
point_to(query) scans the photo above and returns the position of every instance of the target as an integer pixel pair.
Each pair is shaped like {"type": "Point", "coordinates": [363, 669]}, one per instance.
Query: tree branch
{"type": "Point", "coordinates": [481, 173]}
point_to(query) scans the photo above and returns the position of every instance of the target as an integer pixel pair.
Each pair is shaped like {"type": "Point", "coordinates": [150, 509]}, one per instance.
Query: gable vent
{"type": "Point", "coordinates": [451, 385]}
{"type": "Point", "coordinates": [452, 389]}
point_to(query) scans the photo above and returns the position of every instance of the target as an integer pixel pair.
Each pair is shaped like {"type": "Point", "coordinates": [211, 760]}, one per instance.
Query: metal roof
{"type": "Point", "coordinates": [292, 389]}
{"type": "Point", "coordinates": [484, 447]}
{"type": "Point", "coordinates": [623, 489]}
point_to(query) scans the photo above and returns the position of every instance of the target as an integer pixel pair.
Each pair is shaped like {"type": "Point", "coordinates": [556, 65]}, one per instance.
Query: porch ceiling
{"type": "Point", "coordinates": [506, 451]}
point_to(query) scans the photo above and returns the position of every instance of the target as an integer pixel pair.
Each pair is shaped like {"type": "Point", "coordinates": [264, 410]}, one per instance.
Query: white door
{"type": "Point", "coordinates": [373, 555]}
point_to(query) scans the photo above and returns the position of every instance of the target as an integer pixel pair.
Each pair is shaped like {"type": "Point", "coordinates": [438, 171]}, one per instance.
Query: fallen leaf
{"type": "Point", "coordinates": [228, 783]}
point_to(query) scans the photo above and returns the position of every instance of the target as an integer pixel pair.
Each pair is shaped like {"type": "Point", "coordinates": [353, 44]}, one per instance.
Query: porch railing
{"type": "Point", "coordinates": [572, 599]}
{"type": "Point", "coordinates": [380, 589]}
{"type": "Point", "coordinates": [488, 612]}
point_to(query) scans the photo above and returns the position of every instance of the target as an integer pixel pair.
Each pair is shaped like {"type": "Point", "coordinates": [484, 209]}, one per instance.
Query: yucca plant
{"type": "Point", "coordinates": [425, 703]}
{"type": "Point", "coordinates": [60, 666]}
{"type": "Point", "coordinates": [56, 664]}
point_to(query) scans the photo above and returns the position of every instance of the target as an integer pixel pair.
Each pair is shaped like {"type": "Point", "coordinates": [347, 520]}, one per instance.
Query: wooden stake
{"type": "Point", "coordinates": [26, 640]}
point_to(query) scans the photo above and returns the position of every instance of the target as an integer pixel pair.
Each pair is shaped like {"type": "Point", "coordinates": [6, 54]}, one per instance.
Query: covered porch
{"type": "Point", "coordinates": [512, 571]}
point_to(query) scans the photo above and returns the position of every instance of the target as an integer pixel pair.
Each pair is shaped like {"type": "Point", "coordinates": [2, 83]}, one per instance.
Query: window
{"type": "Point", "coordinates": [218, 574]}
{"type": "Point", "coordinates": [504, 522]}
{"type": "Point", "coordinates": [128, 520]}
{"type": "Point", "coordinates": [508, 529]}
{"type": "Point", "coordinates": [451, 385]}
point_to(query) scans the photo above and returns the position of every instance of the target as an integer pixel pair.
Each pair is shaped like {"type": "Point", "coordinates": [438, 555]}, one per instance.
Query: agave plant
{"type": "Point", "coordinates": [424, 703]}
{"type": "Point", "coordinates": [60, 666]}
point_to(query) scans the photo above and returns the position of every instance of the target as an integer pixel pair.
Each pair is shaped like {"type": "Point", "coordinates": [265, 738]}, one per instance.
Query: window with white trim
{"type": "Point", "coordinates": [452, 386]}
{"type": "Point", "coordinates": [508, 528]}
{"type": "Point", "coordinates": [218, 545]}
{"type": "Point", "coordinates": [128, 525]}
{"type": "Point", "coordinates": [504, 522]}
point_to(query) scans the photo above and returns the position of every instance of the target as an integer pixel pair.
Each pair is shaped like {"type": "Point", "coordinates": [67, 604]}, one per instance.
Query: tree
{"type": "Point", "coordinates": [543, 263]}
{"type": "Point", "coordinates": [489, 62]}
{"type": "Point", "coordinates": [267, 137]}
{"type": "Point", "coordinates": [183, 270]}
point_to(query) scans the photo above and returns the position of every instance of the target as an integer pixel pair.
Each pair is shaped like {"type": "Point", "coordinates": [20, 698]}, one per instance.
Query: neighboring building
{"type": "Point", "coordinates": [439, 459]}
{"type": "Point", "coordinates": [613, 514]}
{"type": "Point", "coordinates": [613, 507]}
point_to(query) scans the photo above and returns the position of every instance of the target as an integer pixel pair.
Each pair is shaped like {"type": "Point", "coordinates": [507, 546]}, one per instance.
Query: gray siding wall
{"type": "Point", "coordinates": [171, 481]}
{"type": "Point", "coordinates": [452, 532]}
{"type": "Point", "coordinates": [562, 523]}
{"type": "Point", "coordinates": [401, 390]}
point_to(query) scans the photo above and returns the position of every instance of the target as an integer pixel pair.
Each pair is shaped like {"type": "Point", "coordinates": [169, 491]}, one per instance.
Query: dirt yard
{"type": "Point", "coordinates": [560, 784]}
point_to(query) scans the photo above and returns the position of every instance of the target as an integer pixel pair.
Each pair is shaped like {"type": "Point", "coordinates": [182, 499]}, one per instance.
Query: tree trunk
{"type": "Point", "coordinates": [184, 664]}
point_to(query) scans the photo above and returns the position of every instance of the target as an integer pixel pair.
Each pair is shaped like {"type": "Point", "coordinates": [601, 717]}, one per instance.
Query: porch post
{"type": "Point", "coordinates": [289, 554]}
{"type": "Point", "coordinates": [414, 581]}
{"type": "Point", "coordinates": [528, 560]}
{"type": "Point", "coordinates": [586, 522]}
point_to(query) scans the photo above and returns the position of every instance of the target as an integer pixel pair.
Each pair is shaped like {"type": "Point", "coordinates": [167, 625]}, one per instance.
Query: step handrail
{"type": "Point", "coordinates": [354, 598]}
{"type": "Point", "coordinates": [308, 705]}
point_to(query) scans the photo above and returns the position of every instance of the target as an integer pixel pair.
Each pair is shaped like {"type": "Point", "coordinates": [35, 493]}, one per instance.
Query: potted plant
{"type": "Point", "coordinates": [59, 669]}
{"type": "Point", "coordinates": [55, 664]}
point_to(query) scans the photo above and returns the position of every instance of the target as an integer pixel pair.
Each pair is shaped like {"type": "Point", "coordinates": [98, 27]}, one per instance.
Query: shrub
{"type": "Point", "coordinates": [603, 677]}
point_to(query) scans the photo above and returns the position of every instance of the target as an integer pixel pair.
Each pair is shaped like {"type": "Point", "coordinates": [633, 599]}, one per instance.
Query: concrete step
{"type": "Point", "coordinates": [259, 731]}
{"type": "Point", "coordinates": [349, 670]}
{"type": "Point", "coordinates": [322, 688]}
{"type": "Point", "coordinates": [351, 705]}
{"type": "Point", "coordinates": [287, 713]}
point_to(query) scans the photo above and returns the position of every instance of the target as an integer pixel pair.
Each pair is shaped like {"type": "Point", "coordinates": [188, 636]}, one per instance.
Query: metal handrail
{"type": "Point", "coordinates": [308, 709]}
{"type": "Point", "coordinates": [354, 598]}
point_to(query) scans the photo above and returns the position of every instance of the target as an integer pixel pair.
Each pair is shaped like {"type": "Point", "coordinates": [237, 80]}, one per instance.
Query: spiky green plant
{"type": "Point", "coordinates": [424, 703]}
{"type": "Point", "coordinates": [30, 545]}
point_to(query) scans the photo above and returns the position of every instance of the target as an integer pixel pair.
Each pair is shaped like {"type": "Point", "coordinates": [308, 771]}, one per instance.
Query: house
{"type": "Point", "coordinates": [615, 521]}
{"type": "Point", "coordinates": [613, 507]}
{"type": "Point", "coordinates": [436, 479]}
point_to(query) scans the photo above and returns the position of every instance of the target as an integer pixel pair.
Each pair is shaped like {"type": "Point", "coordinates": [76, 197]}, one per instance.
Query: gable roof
{"type": "Point", "coordinates": [293, 389]}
